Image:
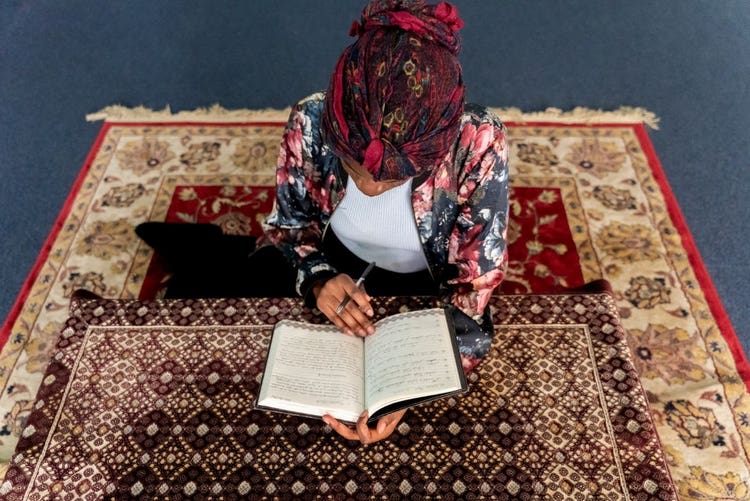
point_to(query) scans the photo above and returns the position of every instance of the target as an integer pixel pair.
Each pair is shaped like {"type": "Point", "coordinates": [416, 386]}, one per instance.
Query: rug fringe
{"type": "Point", "coordinates": [624, 114]}
{"type": "Point", "coordinates": [217, 113]}
{"type": "Point", "coordinates": [214, 113]}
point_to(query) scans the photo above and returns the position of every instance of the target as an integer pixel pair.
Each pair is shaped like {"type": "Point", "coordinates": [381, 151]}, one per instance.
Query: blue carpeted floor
{"type": "Point", "coordinates": [688, 61]}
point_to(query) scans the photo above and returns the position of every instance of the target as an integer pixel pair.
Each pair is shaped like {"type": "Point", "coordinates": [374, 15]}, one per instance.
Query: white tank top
{"type": "Point", "coordinates": [380, 228]}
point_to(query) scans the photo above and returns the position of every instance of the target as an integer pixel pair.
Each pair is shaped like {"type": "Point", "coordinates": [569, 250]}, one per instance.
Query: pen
{"type": "Point", "coordinates": [357, 284]}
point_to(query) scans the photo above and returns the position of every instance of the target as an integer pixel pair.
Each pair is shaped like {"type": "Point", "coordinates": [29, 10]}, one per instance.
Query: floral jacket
{"type": "Point", "coordinates": [460, 208]}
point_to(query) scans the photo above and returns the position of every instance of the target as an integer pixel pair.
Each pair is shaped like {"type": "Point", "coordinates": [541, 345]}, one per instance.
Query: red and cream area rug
{"type": "Point", "coordinates": [589, 201]}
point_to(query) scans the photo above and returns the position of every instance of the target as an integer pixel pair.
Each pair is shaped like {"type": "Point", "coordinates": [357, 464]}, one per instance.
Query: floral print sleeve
{"type": "Point", "coordinates": [304, 179]}
{"type": "Point", "coordinates": [477, 244]}
{"type": "Point", "coordinates": [466, 215]}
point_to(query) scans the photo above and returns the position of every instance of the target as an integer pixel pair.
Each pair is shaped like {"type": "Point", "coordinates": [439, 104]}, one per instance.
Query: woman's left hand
{"type": "Point", "coordinates": [364, 433]}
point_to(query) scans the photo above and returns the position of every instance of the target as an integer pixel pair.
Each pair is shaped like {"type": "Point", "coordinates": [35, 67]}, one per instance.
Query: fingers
{"type": "Point", "coordinates": [340, 428]}
{"type": "Point", "coordinates": [383, 430]}
{"type": "Point", "coordinates": [362, 301]}
{"type": "Point", "coordinates": [354, 318]}
{"type": "Point", "coordinates": [338, 321]}
{"type": "Point", "coordinates": [387, 424]}
{"type": "Point", "coordinates": [363, 431]}
{"type": "Point", "coordinates": [385, 427]}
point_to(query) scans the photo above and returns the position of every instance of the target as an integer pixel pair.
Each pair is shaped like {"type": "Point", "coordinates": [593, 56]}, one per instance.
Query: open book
{"type": "Point", "coordinates": [314, 370]}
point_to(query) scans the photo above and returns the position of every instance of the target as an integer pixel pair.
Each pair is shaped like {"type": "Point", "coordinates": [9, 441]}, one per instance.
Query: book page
{"type": "Point", "coordinates": [409, 356]}
{"type": "Point", "coordinates": [315, 370]}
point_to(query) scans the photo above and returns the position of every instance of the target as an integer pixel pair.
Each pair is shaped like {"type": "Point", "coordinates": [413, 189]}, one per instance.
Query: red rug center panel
{"type": "Point", "coordinates": [542, 252]}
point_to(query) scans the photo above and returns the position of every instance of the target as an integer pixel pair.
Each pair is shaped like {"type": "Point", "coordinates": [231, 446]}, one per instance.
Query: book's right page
{"type": "Point", "coordinates": [412, 355]}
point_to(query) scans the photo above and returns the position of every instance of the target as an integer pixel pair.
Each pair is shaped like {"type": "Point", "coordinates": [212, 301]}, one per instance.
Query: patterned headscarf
{"type": "Point", "coordinates": [395, 100]}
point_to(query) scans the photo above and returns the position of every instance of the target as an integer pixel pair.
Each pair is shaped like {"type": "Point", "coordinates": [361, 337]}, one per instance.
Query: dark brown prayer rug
{"type": "Point", "coordinates": [154, 399]}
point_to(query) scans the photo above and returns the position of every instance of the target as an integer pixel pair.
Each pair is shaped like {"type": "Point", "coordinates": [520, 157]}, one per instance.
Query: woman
{"type": "Point", "coordinates": [390, 166]}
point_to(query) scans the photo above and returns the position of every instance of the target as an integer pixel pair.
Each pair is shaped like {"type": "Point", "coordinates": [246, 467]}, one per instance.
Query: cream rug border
{"type": "Point", "coordinates": [217, 113]}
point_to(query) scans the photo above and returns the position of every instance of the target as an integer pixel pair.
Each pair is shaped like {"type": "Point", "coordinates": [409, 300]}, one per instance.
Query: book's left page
{"type": "Point", "coordinates": [313, 370]}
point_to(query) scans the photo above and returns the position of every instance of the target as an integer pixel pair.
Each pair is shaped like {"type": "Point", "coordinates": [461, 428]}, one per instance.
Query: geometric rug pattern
{"type": "Point", "coordinates": [587, 202]}
{"type": "Point", "coordinates": [153, 399]}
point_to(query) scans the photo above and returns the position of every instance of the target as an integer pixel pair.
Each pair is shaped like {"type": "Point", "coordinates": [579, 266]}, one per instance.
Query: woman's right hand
{"type": "Point", "coordinates": [355, 318]}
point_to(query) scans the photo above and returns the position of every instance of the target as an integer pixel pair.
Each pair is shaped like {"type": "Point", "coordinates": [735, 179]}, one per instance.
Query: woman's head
{"type": "Point", "coordinates": [395, 100]}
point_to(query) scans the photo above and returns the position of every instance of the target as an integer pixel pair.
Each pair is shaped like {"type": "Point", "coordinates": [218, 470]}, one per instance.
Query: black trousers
{"type": "Point", "coordinates": [206, 263]}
